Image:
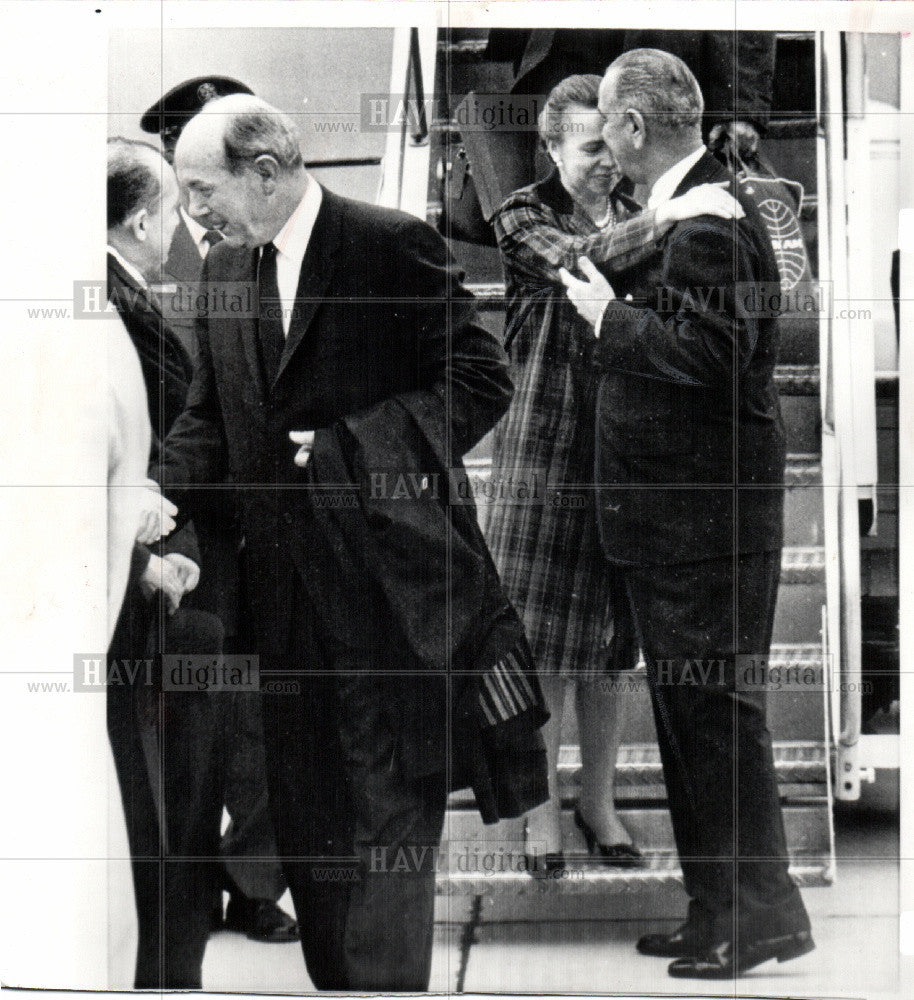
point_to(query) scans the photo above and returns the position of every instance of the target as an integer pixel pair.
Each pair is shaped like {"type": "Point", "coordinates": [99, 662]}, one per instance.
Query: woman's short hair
{"type": "Point", "coordinates": [660, 86]}
{"type": "Point", "coordinates": [582, 89]}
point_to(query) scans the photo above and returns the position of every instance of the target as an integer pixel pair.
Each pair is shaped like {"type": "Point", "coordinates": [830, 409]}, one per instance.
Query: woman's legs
{"type": "Point", "coordinates": [544, 827]}
{"type": "Point", "coordinates": [600, 725]}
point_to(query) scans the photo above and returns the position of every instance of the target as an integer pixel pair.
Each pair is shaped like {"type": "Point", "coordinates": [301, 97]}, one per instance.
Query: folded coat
{"type": "Point", "coordinates": [400, 516]}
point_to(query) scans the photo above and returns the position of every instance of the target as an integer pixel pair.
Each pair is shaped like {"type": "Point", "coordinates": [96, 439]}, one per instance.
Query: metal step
{"type": "Point", "coordinates": [800, 765]}
{"type": "Point", "coordinates": [802, 469]}
{"type": "Point", "coordinates": [803, 564]}
{"type": "Point", "coordinates": [479, 860]}
{"type": "Point", "coordinates": [658, 873]}
{"type": "Point", "coordinates": [464, 50]}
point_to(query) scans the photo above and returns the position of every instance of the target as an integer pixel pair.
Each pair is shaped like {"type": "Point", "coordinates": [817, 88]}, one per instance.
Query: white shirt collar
{"type": "Point", "coordinates": [292, 240]}
{"type": "Point", "coordinates": [128, 267]}
{"type": "Point", "coordinates": [197, 232]}
{"type": "Point", "coordinates": [665, 186]}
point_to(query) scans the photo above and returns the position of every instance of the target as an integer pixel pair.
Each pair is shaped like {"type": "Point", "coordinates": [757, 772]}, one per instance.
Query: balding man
{"type": "Point", "coordinates": [360, 314]}
{"type": "Point", "coordinates": [252, 873]}
{"type": "Point", "coordinates": [164, 743]}
{"type": "Point", "coordinates": [691, 461]}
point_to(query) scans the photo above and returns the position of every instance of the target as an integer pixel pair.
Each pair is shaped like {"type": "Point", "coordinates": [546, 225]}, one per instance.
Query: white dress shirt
{"type": "Point", "coordinates": [197, 233]}
{"type": "Point", "coordinates": [662, 191]}
{"type": "Point", "coordinates": [665, 186]}
{"type": "Point", "coordinates": [128, 267]}
{"type": "Point", "coordinates": [291, 242]}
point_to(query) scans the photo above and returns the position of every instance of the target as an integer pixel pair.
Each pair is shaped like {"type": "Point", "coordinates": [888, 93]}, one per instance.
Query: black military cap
{"type": "Point", "coordinates": [176, 108]}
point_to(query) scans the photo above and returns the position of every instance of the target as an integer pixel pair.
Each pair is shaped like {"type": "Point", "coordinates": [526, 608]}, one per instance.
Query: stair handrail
{"type": "Point", "coordinates": [404, 166]}
{"type": "Point", "coordinates": [839, 419]}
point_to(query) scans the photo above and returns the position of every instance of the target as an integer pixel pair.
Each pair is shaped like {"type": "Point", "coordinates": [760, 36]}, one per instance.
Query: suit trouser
{"type": "Point", "coordinates": [248, 846]}
{"type": "Point", "coordinates": [167, 763]}
{"type": "Point", "coordinates": [346, 817]}
{"type": "Point", "coordinates": [701, 626]}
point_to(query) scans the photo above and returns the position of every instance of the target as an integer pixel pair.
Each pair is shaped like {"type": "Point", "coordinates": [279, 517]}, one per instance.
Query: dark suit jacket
{"type": "Point", "coordinates": [690, 442]}
{"type": "Point", "coordinates": [167, 372]}
{"type": "Point", "coordinates": [184, 262]}
{"type": "Point", "coordinates": [181, 271]}
{"type": "Point", "coordinates": [380, 313]}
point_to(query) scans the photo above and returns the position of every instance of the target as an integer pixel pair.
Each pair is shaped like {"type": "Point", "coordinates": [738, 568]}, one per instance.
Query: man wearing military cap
{"type": "Point", "coordinates": [254, 886]}
{"type": "Point", "coordinates": [166, 118]}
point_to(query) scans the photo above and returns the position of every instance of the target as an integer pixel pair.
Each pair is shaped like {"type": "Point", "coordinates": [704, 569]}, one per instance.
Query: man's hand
{"type": "Point", "coordinates": [187, 570]}
{"type": "Point", "coordinates": [162, 575]}
{"type": "Point", "coordinates": [703, 199]}
{"type": "Point", "coordinates": [156, 515]}
{"type": "Point", "coordinates": [591, 296]}
{"type": "Point", "coordinates": [305, 441]}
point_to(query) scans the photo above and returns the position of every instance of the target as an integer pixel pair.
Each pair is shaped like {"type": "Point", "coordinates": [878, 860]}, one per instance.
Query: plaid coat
{"type": "Point", "coordinates": [547, 550]}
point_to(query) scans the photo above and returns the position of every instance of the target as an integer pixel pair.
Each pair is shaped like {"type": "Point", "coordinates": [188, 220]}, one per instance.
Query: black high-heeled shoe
{"type": "Point", "coordinates": [618, 855]}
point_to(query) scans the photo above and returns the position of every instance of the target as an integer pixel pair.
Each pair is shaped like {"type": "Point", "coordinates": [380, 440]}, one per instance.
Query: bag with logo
{"type": "Point", "coordinates": [780, 202]}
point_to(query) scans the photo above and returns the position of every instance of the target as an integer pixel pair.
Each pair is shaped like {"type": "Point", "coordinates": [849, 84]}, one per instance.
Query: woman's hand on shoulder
{"type": "Point", "coordinates": [703, 199]}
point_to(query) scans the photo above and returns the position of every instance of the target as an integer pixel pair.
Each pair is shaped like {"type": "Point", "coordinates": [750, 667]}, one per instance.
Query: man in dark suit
{"type": "Point", "coordinates": [359, 306]}
{"type": "Point", "coordinates": [690, 465]}
{"type": "Point", "coordinates": [253, 876]}
{"type": "Point", "coordinates": [164, 744]}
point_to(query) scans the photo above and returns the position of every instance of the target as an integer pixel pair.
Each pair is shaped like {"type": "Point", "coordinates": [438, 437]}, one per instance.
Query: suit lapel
{"type": "Point", "coordinates": [151, 333]}
{"type": "Point", "coordinates": [243, 269]}
{"type": "Point", "coordinates": [316, 271]}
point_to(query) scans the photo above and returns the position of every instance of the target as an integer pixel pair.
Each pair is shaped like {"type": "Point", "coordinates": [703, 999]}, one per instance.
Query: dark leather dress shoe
{"type": "Point", "coordinates": [723, 961]}
{"type": "Point", "coordinates": [684, 942]}
{"type": "Point", "coordinates": [260, 920]}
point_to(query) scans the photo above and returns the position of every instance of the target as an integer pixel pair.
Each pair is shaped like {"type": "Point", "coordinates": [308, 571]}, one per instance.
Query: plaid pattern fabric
{"type": "Point", "coordinates": [548, 553]}
{"type": "Point", "coordinates": [537, 238]}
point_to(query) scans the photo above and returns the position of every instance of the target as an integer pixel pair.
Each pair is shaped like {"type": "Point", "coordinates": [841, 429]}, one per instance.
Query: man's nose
{"type": "Point", "coordinates": [196, 206]}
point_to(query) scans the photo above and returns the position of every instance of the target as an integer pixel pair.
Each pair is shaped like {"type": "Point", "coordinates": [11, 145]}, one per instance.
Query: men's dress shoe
{"type": "Point", "coordinates": [617, 855]}
{"type": "Point", "coordinates": [260, 920]}
{"type": "Point", "coordinates": [722, 961]}
{"type": "Point", "coordinates": [684, 942]}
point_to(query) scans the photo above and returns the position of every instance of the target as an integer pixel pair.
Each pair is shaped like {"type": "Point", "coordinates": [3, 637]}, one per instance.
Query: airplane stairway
{"type": "Point", "coordinates": [797, 716]}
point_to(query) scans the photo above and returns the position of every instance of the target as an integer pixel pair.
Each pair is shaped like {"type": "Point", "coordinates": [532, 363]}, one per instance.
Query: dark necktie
{"type": "Point", "coordinates": [272, 338]}
{"type": "Point", "coordinates": [212, 237]}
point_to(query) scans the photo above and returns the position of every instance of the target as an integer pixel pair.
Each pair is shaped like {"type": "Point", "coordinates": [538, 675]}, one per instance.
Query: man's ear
{"type": "Point", "coordinates": [636, 126]}
{"type": "Point", "coordinates": [138, 224]}
{"type": "Point", "coordinates": [268, 170]}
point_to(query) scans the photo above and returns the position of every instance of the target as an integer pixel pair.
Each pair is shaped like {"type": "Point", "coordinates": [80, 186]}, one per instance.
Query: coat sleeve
{"type": "Point", "coordinates": [462, 368]}
{"type": "Point", "coordinates": [531, 240]}
{"type": "Point", "coordinates": [194, 452]}
{"type": "Point", "coordinates": [696, 328]}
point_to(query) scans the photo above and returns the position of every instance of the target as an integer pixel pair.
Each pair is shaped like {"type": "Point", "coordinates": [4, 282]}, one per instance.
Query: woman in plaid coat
{"type": "Point", "coordinates": [545, 545]}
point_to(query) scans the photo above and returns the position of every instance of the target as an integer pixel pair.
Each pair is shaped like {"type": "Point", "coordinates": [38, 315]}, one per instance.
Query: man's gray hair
{"type": "Point", "coordinates": [660, 86]}
{"type": "Point", "coordinates": [134, 178]}
{"type": "Point", "coordinates": [254, 128]}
